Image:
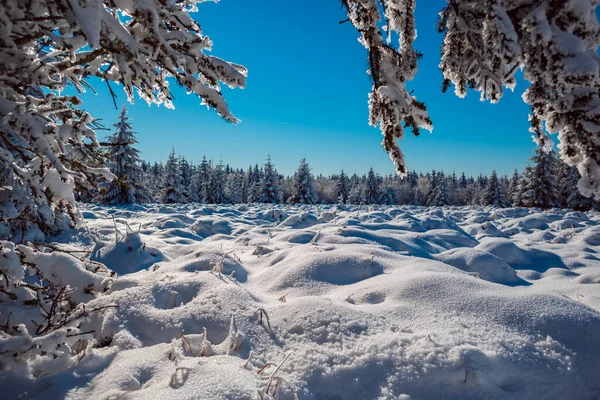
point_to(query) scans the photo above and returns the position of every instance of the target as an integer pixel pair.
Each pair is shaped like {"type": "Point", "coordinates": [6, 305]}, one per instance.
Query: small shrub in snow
{"type": "Point", "coordinates": [44, 296]}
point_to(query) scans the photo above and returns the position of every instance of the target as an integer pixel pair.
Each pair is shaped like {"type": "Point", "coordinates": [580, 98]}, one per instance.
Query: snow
{"type": "Point", "coordinates": [347, 302]}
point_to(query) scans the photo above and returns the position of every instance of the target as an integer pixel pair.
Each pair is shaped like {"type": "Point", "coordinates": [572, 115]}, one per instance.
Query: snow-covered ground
{"type": "Point", "coordinates": [329, 302]}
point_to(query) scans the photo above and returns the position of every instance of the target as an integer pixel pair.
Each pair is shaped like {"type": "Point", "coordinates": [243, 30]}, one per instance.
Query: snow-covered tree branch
{"type": "Point", "coordinates": [49, 45]}
{"type": "Point", "coordinates": [390, 103]}
{"type": "Point", "coordinates": [485, 44]}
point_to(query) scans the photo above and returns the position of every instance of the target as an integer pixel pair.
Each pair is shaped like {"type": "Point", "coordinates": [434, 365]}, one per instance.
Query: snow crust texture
{"type": "Point", "coordinates": [325, 302]}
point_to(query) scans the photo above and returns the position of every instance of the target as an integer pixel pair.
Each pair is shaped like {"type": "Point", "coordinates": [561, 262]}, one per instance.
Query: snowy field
{"type": "Point", "coordinates": [326, 302]}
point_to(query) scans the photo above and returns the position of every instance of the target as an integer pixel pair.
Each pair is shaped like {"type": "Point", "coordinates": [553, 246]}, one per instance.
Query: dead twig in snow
{"type": "Point", "coordinates": [260, 318]}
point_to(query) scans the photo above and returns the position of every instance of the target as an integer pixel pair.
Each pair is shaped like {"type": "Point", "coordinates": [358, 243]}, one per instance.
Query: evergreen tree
{"type": "Point", "coordinates": [342, 189]}
{"type": "Point", "coordinates": [173, 182]}
{"type": "Point", "coordinates": [270, 191]}
{"type": "Point", "coordinates": [513, 188]}
{"type": "Point", "coordinates": [372, 188]}
{"type": "Point", "coordinates": [569, 196]}
{"type": "Point", "coordinates": [234, 189]}
{"type": "Point", "coordinates": [203, 174]}
{"type": "Point", "coordinates": [303, 191]}
{"type": "Point", "coordinates": [538, 187]}
{"type": "Point", "coordinates": [417, 201]}
{"type": "Point", "coordinates": [494, 194]}
{"type": "Point", "coordinates": [186, 176]}
{"type": "Point", "coordinates": [124, 162]}
{"type": "Point", "coordinates": [441, 195]}
{"type": "Point", "coordinates": [254, 184]}
{"type": "Point", "coordinates": [357, 194]}
{"type": "Point", "coordinates": [387, 196]}
{"type": "Point", "coordinates": [216, 186]}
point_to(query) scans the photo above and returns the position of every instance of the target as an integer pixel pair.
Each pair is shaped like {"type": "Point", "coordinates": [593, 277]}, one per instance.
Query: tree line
{"type": "Point", "coordinates": [545, 183]}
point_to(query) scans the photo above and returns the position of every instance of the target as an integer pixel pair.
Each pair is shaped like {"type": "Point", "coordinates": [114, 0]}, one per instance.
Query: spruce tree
{"type": "Point", "coordinates": [387, 196]}
{"type": "Point", "coordinates": [186, 176]}
{"type": "Point", "coordinates": [372, 188]}
{"type": "Point", "coordinates": [357, 194]}
{"type": "Point", "coordinates": [202, 181]}
{"type": "Point", "coordinates": [303, 191]}
{"type": "Point", "coordinates": [416, 200]}
{"type": "Point", "coordinates": [494, 194]}
{"type": "Point", "coordinates": [124, 162]}
{"type": "Point", "coordinates": [538, 187]}
{"type": "Point", "coordinates": [270, 191]}
{"type": "Point", "coordinates": [441, 196]}
{"type": "Point", "coordinates": [569, 196]}
{"type": "Point", "coordinates": [234, 188]}
{"type": "Point", "coordinates": [216, 186]}
{"type": "Point", "coordinates": [342, 189]}
{"type": "Point", "coordinates": [513, 188]}
{"type": "Point", "coordinates": [254, 184]}
{"type": "Point", "coordinates": [173, 182]}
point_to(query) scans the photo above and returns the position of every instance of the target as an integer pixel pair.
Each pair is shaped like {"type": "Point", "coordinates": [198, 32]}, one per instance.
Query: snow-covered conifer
{"type": "Point", "coordinates": [234, 188]}
{"type": "Point", "coordinates": [186, 176]}
{"type": "Point", "coordinates": [569, 196]}
{"type": "Point", "coordinates": [538, 186]}
{"type": "Point", "coordinates": [416, 200]}
{"type": "Point", "coordinates": [124, 162]}
{"type": "Point", "coordinates": [372, 192]}
{"type": "Point", "coordinates": [342, 189]}
{"type": "Point", "coordinates": [173, 183]}
{"type": "Point", "coordinates": [513, 188]}
{"type": "Point", "coordinates": [493, 194]}
{"type": "Point", "coordinates": [441, 196]}
{"type": "Point", "coordinates": [357, 194]}
{"type": "Point", "coordinates": [303, 190]}
{"type": "Point", "coordinates": [216, 185]}
{"type": "Point", "coordinates": [270, 191]}
{"type": "Point", "coordinates": [387, 196]}
{"type": "Point", "coordinates": [254, 184]}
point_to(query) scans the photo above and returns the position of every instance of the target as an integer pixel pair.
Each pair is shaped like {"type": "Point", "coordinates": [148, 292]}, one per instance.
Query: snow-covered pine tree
{"type": "Point", "coordinates": [493, 194]}
{"type": "Point", "coordinates": [569, 196]}
{"type": "Point", "coordinates": [432, 182]}
{"type": "Point", "coordinates": [254, 184]}
{"type": "Point", "coordinates": [244, 185]}
{"type": "Point", "coordinates": [342, 189]}
{"type": "Point", "coordinates": [201, 181]}
{"type": "Point", "coordinates": [269, 188]}
{"type": "Point", "coordinates": [441, 195]}
{"type": "Point", "coordinates": [186, 176]}
{"type": "Point", "coordinates": [303, 191]}
{"type": "Point", "coordinates": [513, 188]}
{"type": "Point", "coordinates": [173, 183]}
{"type": "Point", "coordinates": [124, 162]}
{"type": "Point", "coordinates": [538, 187]}
{"type": "Point", "coordinates": [372, 192]}
{"type": "Point", "coordinates": [234, 187]}
{"type": "Point", "coordinates": [416, 200]}
{"type": "Point", "coordinates": [357, 194]}
{"type": "Point", "coordinates": [387, 196]}
{"type": "Point", "coordinates": [216, 185]}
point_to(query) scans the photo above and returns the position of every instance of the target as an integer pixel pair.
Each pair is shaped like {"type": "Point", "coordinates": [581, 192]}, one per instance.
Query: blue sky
{"type": "Point", "coordinates": [306, 96]}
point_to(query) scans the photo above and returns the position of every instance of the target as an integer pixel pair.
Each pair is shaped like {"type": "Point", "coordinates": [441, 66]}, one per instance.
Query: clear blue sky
{"type": "Point", "coordinates": [306, 96]}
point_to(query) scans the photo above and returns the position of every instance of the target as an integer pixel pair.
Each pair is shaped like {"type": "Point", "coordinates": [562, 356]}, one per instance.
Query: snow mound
{"type": "Point", "coordinates": [503, 249]}
{"type": "Point", "coordinates": [480, 264]}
